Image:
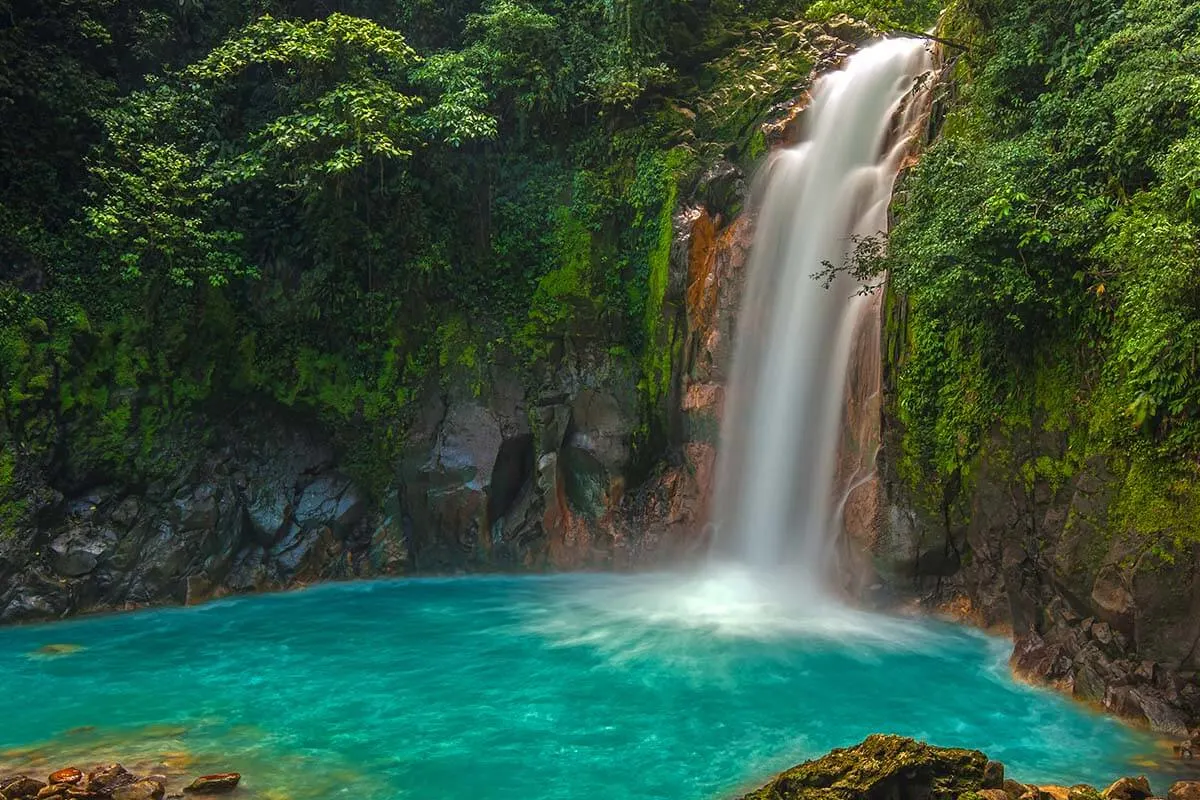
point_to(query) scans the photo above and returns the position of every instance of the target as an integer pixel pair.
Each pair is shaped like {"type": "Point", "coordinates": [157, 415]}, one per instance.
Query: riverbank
{"type": "Point", "coordinates": [905, 769]}
{"type": "Point", "coordinates": [882, 766]}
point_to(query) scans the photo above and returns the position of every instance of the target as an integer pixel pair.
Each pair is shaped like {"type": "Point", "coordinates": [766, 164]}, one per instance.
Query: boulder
{"type": "Point", "coordinates": [993, 775]}
{"type": "Point", "coordinates": [989, 794]}
{"type": "Point", "coordinates": [20, 787]}
{"type": "Point", "coordinates": [1128, 789]}
{"type": "Point", "coordinates": [1055, 792]}
{"type": "Point", "coordinates": [145, 789]}
{"type": "Point", "coordinates": [214, 784]}
{"type": "Point", "coordinates": [882, 766]}
{"type": "Point", "coordinates": [69, 775]}
{"type": "Point", "coordinates": [1014, 789]}
{"type": "Point", "coordinates": [1184, 790]}
{"type": "Point", "coordinates": [107, 779]}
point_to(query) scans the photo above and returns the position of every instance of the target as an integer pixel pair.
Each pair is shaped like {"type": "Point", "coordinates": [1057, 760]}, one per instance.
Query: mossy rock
{"type": "Point", "coordinates": [881, 768]}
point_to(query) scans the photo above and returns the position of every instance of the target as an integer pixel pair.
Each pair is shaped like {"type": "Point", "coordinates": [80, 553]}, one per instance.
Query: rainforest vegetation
{"type": "Point", "coordinates": [1047, 247]}
{"type": "Point", "coordinates": [329, 206]}
{"type": "Point", "coordinates": [332, 206]}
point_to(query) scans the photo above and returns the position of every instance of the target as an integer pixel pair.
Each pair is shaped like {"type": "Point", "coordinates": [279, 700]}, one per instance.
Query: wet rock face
{"type": "Point", "coordinates": [214, 784]}
{"type": "Point", "coordinates": [881, 767]}
{"type": "Point", "coordinates": [544, 476]}
{"type": "Point", "coordinates": [266, 510]}
{"type": "Point", "coordinates": [1092, 610]}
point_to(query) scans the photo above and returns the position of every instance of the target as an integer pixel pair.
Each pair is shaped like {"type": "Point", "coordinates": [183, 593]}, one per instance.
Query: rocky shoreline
{"type": "Point", "coordinates": [111, 782]}
{"type": "Point", "coordinates": [882, 767]}
{"type": "Point", "coordinates": [896, 768]}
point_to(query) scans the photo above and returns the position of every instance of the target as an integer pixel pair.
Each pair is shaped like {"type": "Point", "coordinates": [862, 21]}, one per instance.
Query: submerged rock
{"type": "Point", "coordinates": [881, 767]}
{"type": "Point", "coordinates": [108, 779]}
{"type": "Point", "coordinates": [145, 789]}
{"type": "Point", "coordinates": [20, 787]}
{"type": "Point", "coordinates": [55, 650]}
{"type": "Point", "coordinates": [214, 784]}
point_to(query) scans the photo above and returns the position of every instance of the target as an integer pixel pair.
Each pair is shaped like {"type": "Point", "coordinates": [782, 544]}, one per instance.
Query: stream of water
{"type": "Point", "coordinates": [784, 416]}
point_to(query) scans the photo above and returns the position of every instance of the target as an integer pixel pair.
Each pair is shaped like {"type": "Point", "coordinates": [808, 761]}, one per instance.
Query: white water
{"type": "Point", "coordinates": [775, 480]}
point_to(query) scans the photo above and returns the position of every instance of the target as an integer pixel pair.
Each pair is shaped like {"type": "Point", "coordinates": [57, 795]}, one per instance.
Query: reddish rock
{"type": "Point", "coordinates": [784, 131]}
{"type": "Point", "coordinates": [1184, 790]}
{"type": "Point", "coordinates": [68, 775]}
{"type": "Point", "coordinates": [214, 784]}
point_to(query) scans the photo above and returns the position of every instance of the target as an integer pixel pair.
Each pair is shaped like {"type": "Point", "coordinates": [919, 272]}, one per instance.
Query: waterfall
{"type": "Point", "coordinates": [776, 498]}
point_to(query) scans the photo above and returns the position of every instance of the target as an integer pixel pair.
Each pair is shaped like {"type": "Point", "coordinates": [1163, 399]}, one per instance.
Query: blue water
{"type": "Point", "coordinates": [564, 687]}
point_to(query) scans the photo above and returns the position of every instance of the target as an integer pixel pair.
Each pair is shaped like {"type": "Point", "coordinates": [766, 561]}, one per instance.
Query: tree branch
{"type": "Point", "coordinates": [929, 36]}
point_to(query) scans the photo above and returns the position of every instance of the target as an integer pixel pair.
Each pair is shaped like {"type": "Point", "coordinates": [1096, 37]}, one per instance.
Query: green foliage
{"type": "Point", "coordinates": [884, 15]}
{"type": "Point", "coordinates": [209, 205]}
{"type": "Point", "coordinates": [1051, 230]}
{"type": "Point", "coordinates": [334, 102]}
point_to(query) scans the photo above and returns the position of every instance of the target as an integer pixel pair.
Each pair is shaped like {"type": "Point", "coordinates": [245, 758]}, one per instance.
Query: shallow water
{"type": "Point", "coordinates": [579, 686]}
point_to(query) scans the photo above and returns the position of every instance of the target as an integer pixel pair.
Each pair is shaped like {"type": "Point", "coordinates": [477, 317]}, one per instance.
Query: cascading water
{"type": "Point", "coordinates": [776, 494]}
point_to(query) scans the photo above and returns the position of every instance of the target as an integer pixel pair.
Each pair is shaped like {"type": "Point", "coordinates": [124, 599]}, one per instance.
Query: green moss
{"type": "Point", "coordinates": [881, 766]}
{"type": "Point", "coordinates": [656, 361]}
{"type": "Point", "coordinates": [13, 506]}
{"type": "Point", "coordinates": [1160, 504]}
{"type": "Point", "coordinates": [767, 67]}
{"type": "Point", "coordinates": [565, 294]}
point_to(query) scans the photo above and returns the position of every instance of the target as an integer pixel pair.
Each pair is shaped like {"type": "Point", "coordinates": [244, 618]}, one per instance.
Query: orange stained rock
{"type": "Point", "coordinates": [701, 258]}
{"type": "Point", "coordinates": [67, 775]}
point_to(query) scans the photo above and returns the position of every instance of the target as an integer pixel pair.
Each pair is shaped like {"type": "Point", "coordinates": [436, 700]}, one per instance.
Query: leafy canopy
{"type": "Point", "coordinates": [328, 99]}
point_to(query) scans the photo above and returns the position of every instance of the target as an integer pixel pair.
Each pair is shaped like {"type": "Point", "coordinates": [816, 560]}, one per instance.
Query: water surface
{"type": "Point", "coordinates": [565, 687]}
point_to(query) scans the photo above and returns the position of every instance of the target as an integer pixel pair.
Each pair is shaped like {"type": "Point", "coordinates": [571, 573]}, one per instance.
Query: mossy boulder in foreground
{"type": "Point", "coordinates": [881, 768]}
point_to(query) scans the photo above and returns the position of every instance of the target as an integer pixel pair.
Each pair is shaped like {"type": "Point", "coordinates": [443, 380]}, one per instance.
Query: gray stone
{"type": "Point", "coordinates": [78, 551]}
